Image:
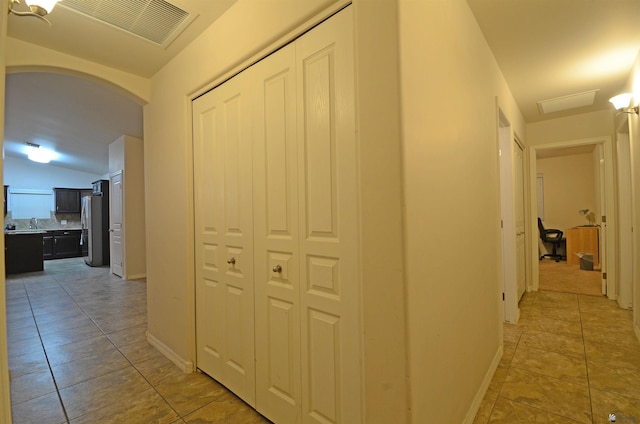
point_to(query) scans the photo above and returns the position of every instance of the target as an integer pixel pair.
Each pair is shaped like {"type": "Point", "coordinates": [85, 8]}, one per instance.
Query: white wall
{"type": "Point", "coordinates": [450, 82]}
{"type": "Point", "coordinates": [23, 173]}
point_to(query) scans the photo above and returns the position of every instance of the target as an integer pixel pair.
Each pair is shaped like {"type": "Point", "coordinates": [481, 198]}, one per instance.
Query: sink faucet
{"type": "Point", "coordinates": [33, 223]}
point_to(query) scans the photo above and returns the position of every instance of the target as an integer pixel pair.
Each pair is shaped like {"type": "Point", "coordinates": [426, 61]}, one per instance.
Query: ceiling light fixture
{"type": "Point", "coordinates": [39, 154]}
{"type": "Point", "coordinates": [622, 101]}
{"type": "Point", "coordinates": [37, 8]}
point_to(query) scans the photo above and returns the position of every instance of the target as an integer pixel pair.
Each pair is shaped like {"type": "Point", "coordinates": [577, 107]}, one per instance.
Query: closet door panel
{"type": "Point", "coordinates": [224, 237]}
{"type": "Point", "coordinates": [328, 214]}
{"type": "Point", "coordinates": [276, 240]}
{"type": "Point", "coordinates": [207, 221]}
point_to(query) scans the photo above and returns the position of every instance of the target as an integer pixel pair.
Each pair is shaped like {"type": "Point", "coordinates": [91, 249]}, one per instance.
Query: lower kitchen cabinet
{"type": "Point", "coordinates": [23, 252]}
{"type": "Point", "coordinates": [61, 244]}
{"type": "Point", "coordinates": [47, 246]}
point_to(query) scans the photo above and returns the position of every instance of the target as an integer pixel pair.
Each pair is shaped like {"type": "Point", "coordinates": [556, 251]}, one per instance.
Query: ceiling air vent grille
{"type": "Point", "coordinates": [154, 20]}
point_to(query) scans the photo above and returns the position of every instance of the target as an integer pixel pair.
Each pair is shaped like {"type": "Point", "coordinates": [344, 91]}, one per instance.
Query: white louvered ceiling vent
{"type": "Point", "coordinates": [154, 20]}
{"type": "Point", "coordinates": [571, 101]}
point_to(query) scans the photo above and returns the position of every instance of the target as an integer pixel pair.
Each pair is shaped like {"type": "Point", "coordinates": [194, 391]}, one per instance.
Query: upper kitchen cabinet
{"type": "Point", "coordinates": [67, 200]}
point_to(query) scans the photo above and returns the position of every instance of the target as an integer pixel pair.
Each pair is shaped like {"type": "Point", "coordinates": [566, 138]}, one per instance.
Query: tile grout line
{"type": "Point", "coordinates": [46, 356]}
{"type": "Point", "coordinates": [586, 363]}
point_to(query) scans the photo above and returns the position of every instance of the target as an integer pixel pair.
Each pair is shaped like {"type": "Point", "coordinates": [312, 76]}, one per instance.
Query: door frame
{"type": "Point", "coordinates": [510, 297]}
{"type": "Point", "coordinates": [122, 229]}
{"type": "Point", "coordinates": [608, 209]}
{"type": "Point", "coordinates": [626, 259]}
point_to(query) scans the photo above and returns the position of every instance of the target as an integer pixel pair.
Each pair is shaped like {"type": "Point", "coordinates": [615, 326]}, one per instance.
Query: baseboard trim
{"type": "Point", "coordinates": [136, 276]}
{"type": "Point", "coordinates": [482, 391]}
{"type": "Point", "coordinates": [186, 366]}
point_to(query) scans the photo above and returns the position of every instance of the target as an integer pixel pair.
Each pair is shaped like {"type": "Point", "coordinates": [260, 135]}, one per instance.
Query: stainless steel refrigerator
{"type": "Point", "coordinates": [94, 220]}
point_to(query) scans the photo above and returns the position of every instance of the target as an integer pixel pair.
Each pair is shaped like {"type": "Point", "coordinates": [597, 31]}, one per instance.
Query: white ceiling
{"type": "Point", "coordinates": [545, 49]}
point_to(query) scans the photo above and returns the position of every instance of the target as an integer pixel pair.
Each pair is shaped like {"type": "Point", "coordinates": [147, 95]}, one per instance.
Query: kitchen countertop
{"type": "Point", "coordinates": [18, 232]}
{"type": "Point", "coordinates": [39, 231]}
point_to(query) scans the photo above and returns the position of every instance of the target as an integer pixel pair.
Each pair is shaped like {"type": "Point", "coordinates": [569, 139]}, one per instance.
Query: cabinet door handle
{"type": "Point", "coordinates": [277, 269]}
{"type": "Point", "coordinates": [231, 261]}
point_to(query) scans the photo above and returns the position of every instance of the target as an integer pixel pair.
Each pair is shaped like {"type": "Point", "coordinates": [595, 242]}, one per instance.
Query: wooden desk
{"type": "Point", "coordinates": [585, 240]}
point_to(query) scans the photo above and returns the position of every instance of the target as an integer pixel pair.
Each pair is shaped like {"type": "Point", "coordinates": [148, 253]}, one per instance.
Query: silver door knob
{"type": "Point", "coordinates": [231, 261]}
{"type": "Point", "coordinates": [277, 269]}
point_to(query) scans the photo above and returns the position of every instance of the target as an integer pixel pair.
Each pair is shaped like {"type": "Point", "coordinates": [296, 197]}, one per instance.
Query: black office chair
{"type": "Point", "coordinates": [552, 236]}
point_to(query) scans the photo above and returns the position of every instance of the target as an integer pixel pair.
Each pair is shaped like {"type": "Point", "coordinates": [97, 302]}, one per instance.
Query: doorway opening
{"type": "Point", "coordinates": [579, 200]}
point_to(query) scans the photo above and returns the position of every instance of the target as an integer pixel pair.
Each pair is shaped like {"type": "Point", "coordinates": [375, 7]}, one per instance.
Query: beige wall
{"type": "Point", "coordinates": [5, 393]}
{"type": "Point", "coordinates": [585, 125]}
{"type": "Point", "coordinates": [127, 154]}
{"type": "Point", "coordinates": [26, 57]}
{"type": "Point", "coordinates": [633, 85]}
{"type": "Point", "coordinates": [569, 185]}
{"type": "Point", "coordinates": [449, 82]}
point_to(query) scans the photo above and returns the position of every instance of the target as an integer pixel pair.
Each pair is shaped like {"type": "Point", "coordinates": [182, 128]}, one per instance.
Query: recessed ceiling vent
{"type": "Point", "coordinates": [571, 101]}
{"type": "Point", "coordinates": [154, 20]}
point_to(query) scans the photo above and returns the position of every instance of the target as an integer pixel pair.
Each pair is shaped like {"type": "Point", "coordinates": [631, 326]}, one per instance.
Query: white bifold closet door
{"type": "Point", "coordinates": [224, 237]}
{"type": "Point", "coordinates": [277, 251]}
{"type": "Point", "coordinates": [305, 229]}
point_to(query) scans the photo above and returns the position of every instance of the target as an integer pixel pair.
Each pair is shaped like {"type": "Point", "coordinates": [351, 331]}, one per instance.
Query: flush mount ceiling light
{"type": "Point", "coordinates": [37, 8]}
{"type": "Point", "coordinates": [39, 154]}
{"type": "Point", "coordinates": [622, 101]}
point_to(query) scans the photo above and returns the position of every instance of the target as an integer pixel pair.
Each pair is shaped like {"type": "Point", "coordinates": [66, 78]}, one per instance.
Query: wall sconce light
{"type": "Point", "coordinates": [621, 103]}
{"type": "Point", "coordinates": [38, 8]}
{"type": "Point", "coordinates": [39, 154]}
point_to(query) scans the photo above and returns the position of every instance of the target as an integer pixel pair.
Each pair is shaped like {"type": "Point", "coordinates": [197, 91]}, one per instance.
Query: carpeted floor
{"type": "Point", "coordinates": [561, 277]}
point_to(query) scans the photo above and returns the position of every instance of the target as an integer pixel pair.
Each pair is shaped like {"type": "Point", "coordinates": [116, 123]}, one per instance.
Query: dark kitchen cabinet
{"type": "Point", "coordinates": [47, 246]}
{"type": "Point", "coordinates": [66, 244]}
{"type": "Point", "coordinates": [23, 252]}
{"type": "Point", "coordinates": [60, 244]}
{"type": "Point", "coordinates": [67, 200]}
{"type": "Point", "coordinates": [5, 199]}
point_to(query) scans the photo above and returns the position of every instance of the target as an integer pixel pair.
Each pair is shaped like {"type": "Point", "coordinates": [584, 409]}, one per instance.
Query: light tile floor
{"type": "Point", "coordinates": [570, 359]}
{"type": "Point", "coordinates": [78, 354]}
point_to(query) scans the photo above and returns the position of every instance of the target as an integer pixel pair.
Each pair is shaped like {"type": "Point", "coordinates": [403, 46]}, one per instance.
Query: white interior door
{"type": "Point", "coordinates": [276, 249]}
{"type": "Point", "coordinates": [224, 237]}
{"type": "Point", "coordinates": [519, 205]}
{"type": "Point", "coordinates": [327, 159]}
{"type": "Point", "coordinates": [115, 224]}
